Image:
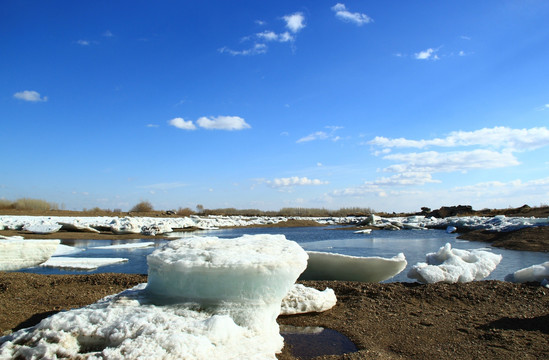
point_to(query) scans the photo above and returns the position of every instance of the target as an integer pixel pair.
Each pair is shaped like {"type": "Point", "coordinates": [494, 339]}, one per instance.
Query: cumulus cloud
{"type": "Point", "coordinates": [343, 14]}
{"type": "Point", "coordinates": [295, 22]}
{"type": "Point", "coordinates": [182, 124]}
{"type": "Point", "coordinates": [429, 54]}
{"type": "Point", "coordinates": [30, 95]}
{"type": "Point", "coordinates": [496, 137]}
{"type": "Point", "coordinates": [294, 181]}
{"type": "Point", "coordinates": [223, 123]}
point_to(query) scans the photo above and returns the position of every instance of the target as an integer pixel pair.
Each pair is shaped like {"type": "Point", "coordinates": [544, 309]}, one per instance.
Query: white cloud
{"type": "Point", "coordinates": [343, 14]}
{"type": "Point", "coordinates": [319, 135]}
{"type": "Point", "coordinates": [427, 54]}
{"type": "Point", "coordinates": [223, 123]}
{"type": "Point", "coordinates": [405, 178]}
{"type": "Point", "coordinates": [463, 37]}
{"type": "Point", "coordinates": [83, 42]}
{"type": "Point", "coordinates": [294, 181]}
{"type": "Point", "coordinates": [432, 161]}
{"type": "Point", "coordinates": [30, 95]}
{"type": "Point", "coordinates": [182, 124]}
{"type": "Point", "coordinates": [108, 33]}
{"type": "Point", "coordinates": [254, 50]}
{"type": "Point", "coordinates": [272, 36]}
{"type": "Point", "coordinates": [152, 125]}
{"type": "Point", "coordinates": [322, 135]}
{"type": "Point", "coordinates": [295, 22]}
{"type": "Point", "coordinates": [496, 137]}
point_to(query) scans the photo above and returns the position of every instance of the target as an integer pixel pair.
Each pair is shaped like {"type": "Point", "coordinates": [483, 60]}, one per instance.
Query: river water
{"type": "Point", "coordinates": [413, 243]}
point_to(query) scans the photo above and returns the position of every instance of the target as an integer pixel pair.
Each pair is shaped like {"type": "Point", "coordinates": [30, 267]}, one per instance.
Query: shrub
{"type": "Point", "coordinates": [34, 204]}
{"type": "Point", "coordinates": [143, 206]}
{"type": "Point", "coordinates": [5, 204]}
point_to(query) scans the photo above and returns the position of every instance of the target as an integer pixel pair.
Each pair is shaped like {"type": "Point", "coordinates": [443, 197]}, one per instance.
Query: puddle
{"type": "Point", "coordinates": [309, 342]}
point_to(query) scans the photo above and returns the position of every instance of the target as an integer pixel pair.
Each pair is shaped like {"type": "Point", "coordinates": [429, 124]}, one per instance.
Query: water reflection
{"type": "Point", "coordinates": [309, 342]}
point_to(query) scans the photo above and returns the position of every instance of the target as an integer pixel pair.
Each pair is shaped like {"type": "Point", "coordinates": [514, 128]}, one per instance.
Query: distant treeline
{"type": "Point", "coordinates": [28, 204]}
{"type": "Point", "coordinates": [145, 207]}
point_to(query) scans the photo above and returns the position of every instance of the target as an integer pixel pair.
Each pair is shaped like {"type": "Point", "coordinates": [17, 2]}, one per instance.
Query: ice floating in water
{"type": "Point", "coordinates": [534, 273]}
{"type": "Point", "coordinates": [330, 266]}
{"type": "Point", "coordinates": [364, 231]}
{"type": "Point", "coordinates": [233, 289]}
{"type": "Point", "coordinates": [66, 250]}
{"type": "Point", "coordinates": [454, 265]}
{"type": "Point", "coordinates": [301, 299]}
{"type": "Point", "coordinates": [16, 253]}
{"type": "Point", "coordinates": [124, 246]}
{"type": "Point", "coordinates": [80, 263]}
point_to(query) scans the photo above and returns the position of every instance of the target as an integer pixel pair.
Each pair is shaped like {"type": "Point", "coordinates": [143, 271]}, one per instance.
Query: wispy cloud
{"type": "Point", "coordinates": [321, 135]}
{"type": "Point", "coordinates": [293, 22]}
{"type": "Point", "coordinates": [223, 123]}
{"type": "Point", "coordinates": [343, 14]}
{"type": "Point", "coordinates": [108, 34]}
{"type": "Point", "coordinates": [164, 186]}
{"type": "Point", "coordinates": [294, 181]}
{"type": "Point", "coordinates": [30, 95]}
{"type": "Point", "coordinates": [256, 49]}
{"type": "Point", "coordinates": [152, 125]}
{"type": "Point", "coordinates": [83, 42]}
{"type": "Point", "coordinates": [180, 123]}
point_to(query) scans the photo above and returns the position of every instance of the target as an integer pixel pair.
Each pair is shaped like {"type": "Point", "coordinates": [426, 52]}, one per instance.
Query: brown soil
{"type": "Point", "coordinates": [486, 319]}
{"type": "Point", "coordinates": [530, 239]}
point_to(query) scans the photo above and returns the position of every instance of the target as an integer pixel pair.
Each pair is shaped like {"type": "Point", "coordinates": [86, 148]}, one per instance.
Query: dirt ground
{"type": "Point", "coordinates": [479, 320]}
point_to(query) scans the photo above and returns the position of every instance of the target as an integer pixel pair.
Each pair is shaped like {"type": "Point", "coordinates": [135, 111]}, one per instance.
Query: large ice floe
{"type": "Point", "coordinates": [534, 273]}
{"type": "Point", "coordinates": [330, 266]}
{"type": "Point", "coordinates": [16, 253]}
{"type": "Point", "coordinates": [455, 265]}
{"type": "Point", "coordinates": [206, 298]}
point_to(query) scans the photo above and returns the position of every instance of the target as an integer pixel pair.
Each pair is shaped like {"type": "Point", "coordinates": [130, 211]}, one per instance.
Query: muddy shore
{"type": "Point", "coordinates": [484, 319]}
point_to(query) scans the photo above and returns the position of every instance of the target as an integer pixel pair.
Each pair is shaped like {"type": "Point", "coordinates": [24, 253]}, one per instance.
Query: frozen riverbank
{"type": "Point", "coordinates": [488, 319]}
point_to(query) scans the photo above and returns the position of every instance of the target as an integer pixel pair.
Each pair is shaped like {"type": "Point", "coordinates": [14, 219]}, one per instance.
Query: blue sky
{"type": "Point", "coordinates": [392, 105]}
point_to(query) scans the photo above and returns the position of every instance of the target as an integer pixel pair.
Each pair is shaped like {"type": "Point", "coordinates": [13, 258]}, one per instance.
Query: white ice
{"type": "Point", "coordinates": [16, 253]}
{"type": "Point", "coordinates": [534, 273]}
{"type": "Point", "coordinates": [66, 250]}
{"type": "Point", "coordinates": [130, 246]}
{"type": "Point", "coordinates": [455, 265]}
{"type": "Point", "coordinates": [80, 263]}
{"type": "Point", "coordinates": [330, 266]}
{"type": "Point", "coordinates": [207, 298]}
{"type": "Point", "coordinates": [301, 299]}
{"type": "Point", "coordinates": [153, 226]}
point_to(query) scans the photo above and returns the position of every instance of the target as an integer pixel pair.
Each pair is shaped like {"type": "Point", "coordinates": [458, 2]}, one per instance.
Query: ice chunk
{"type": "Point", "coordinates": [81, 263]}
{"type": "Point", "coordinates": [66, 250]}
{"type": "Point", "coordinates": [330, 266]}
{"type": "Point", "coordinates": [42, 227]}
{"type": "Point", "coordinates": [534, 273]}
{"type": "Point", "coordinates": [232, 288]}
{"type": "Point", "coordinates": [364, 231]}
{"type": "Point", "coordinates": [258, 268]}
{"type": "Point", "coordinates": [301, 299]}
{"type": "Point", "coordinates": [17, 253]}
{"type": "Point", "coordinates": [137, 245]}
{"type": "Point", "coordinates": [455, 265]}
